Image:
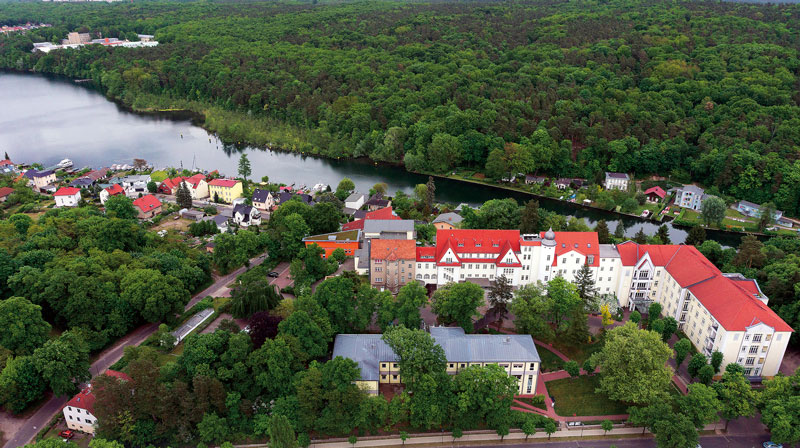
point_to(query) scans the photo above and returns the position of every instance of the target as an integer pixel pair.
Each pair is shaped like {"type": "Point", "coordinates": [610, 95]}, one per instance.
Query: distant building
{"type": "Point", "coordinates": [349, 241]}
{"type": "Point", "coordinates": [40, 179]}
{"type": "Point", "coordinates": [748, 208]}
{"type": "Point", "coordinates": [67, 197]}
{"type": "Point", "coordinates": [378, 364]}
{"type": "Point", "coordinates": [382, 214]}
{"type": "Point", "coordinates": [246, 215]}
{"type": "Point", "coordinates": [392, 263]}
{"type": "Point", "coordinates": [447, 221]}
{"type": "Point", "coordinates": [226, 190]}
{"type": "Point", "coordinates": [192, 215]}
{"type": "Point", "coordinates": [395, 229]}
{"type": "Point", "coordinates": [617, 181]}
{"type": "Point", "coordinates": [79, 411]}
{"type": "Point", "coordinates": [262, 199]}
{"type": "Point", "coordinates": [148, 205]}
{"type": "Point", "coordinates": [377, 202]}
{"type": "Point", "coordinates": [5, 192]}
{"type": "Point", "coordinates": [531, 179]}
{"type": "Point", "coordinates": [355, 201]}
{"type": "Point", "coordinates": [110, 191]}
{"type": "Point", "coordinates": [655, 194]}
{"type": "Point", "coordinates": [690, 196]}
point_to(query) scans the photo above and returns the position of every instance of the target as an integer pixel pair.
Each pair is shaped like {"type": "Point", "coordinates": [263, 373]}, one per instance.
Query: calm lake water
{"type": "Point", "coordinates": [45, 120]}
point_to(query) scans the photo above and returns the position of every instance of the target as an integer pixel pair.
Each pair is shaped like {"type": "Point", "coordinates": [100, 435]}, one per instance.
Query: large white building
{"type": "Point", "coordinates": [79, 411]}
{"type": "Point", "coordinates": [724, 312]}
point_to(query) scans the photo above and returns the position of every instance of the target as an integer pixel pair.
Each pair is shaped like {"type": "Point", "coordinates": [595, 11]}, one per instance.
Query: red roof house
{"type": "Point", "coordinates": [5, 192]}
{"type": "Point", "coordinates": [148, 206]}
{"type": "Point", "coordinates": [79, 411]}
{"type": "Point", "coordinates": [385, 213]}
{"type": "Point", "coordinates": [655, 194]}
{"type": "Point", "coordinates": [67, 191]}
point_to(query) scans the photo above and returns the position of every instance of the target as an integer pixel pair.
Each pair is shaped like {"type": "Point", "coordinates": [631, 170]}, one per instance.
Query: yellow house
{"type": "Point", "coordinates": [225, 189]}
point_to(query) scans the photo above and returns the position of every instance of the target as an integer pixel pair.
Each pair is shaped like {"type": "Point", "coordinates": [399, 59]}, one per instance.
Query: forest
{"type": "Point", "coordinates": [692, 91]}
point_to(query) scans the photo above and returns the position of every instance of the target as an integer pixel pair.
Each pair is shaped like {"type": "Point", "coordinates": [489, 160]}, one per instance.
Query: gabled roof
{"type": "Point", "coordinates": [147, 203]}
{"type": "Point", "coordinates": [5, 162]}
{"type": "Point", "coordinates": [5, 191]}
{"type": "Point", "coordinates": [464, 241]}
{"type": "Point", "coordinates": [226, 183]}
{"type": "Point", "coordinates": [355, 197]}
{"type": "Point", "coordinates": [658, 191]}
{"type": "Point", "coordinates": [388, 225]}
{"type": "Point", "coordinates": [114, 190]}
{"type": "Point", "coordinates": [426, 253]}
{"type": "Point", "coordinates": [393, 250]}
{"type": "Point", "coordinates": [450, 218]}
{"type": "Point", "coordinates": [67, 191]}
{"type": "Point", "coordinates": [194, 181]}
{"type": "Point", "coordinates": [260, 195]}
{"type": "Point", "coordinates": [85, 399]}
{"type": "Point", "coordinates": [612, 175]}
{"type": "Point", "coordinates": [382, 214]}
{"type": "Point", "coordinates": [585, 243]}
{"type": "Point", "coordinates": [692, 189]}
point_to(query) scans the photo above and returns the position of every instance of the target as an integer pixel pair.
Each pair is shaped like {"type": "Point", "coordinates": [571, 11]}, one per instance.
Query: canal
{"type": "Point", "coordinates": [46, 119]}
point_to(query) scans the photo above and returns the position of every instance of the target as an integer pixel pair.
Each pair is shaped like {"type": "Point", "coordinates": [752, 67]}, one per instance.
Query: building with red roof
{"type": "Point", "coordinates": [111, 191]}
{"type": "Point", "coordinates": [382, 214]}
{"type": "Point", "coordinates": [196, 184]}
{"type": "Point", "coordinates": [67, 197]}
{"type": "Point", "coordinates": [225, 190]}
{"type": "Point", "coordinates": [5, 192]}
{"type": "Point", "coordinates": [655, 194]}
{"type": "Point", "coordinates": [392, 263]}
{"type": "Point", "coordinates": [79, 411]}
{"type": "Point", "coordinates": [148, 206]}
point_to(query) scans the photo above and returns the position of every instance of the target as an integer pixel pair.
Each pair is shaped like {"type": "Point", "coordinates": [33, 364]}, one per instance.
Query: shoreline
{"type": "Point", "coordinates": [200, 119]}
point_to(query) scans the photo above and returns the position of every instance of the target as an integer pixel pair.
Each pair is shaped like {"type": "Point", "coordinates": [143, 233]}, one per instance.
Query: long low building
{"type": "Point", "coordinates": [379, 364]}
{"type": "Point", "coordinates": [717, 311]}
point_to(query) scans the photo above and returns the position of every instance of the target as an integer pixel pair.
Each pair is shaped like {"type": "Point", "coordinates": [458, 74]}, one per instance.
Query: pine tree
{"type": "Point", "coordinates": [696, 237]}
{"type": "Point", "coordinates": [500, 295]}
{"type": "Point", "coordinates": [244, 166]}
{"type": "Point", "coordinates": [578, 330]}
{"type": "Point", "coordinates": [640, 237]}
{"type": "Point", "coordinates": [529, 221]}
{"type": "Point", "coordinates": [619, 232]}
{"type": "Point", "coordinates": [183, 196]}
{"type": "Point", "coordinates": [663, 235]}
{"type": "Point", "coordinates": [586, 287]}
{"type": "Point", "coordinates": [603, 234]}
{"type": "Point", "coordinates": [7, 158]}
{"type": "Point", "coordinates": [431, 195]}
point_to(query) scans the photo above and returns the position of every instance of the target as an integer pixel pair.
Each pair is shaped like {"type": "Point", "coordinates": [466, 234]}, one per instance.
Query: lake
{"type": "Point", "coordinates": [45, 119]}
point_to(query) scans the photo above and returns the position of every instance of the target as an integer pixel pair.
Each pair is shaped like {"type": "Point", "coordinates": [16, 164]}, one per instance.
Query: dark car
{"type": "Point", "coordinates": [273, 274]}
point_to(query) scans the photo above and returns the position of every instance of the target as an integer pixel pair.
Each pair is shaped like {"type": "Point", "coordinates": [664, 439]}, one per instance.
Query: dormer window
{"type": "Point", "coordinates": [576, 245]}
{"type": "Point", "coordinates": [563, 245]}
{"type": "Point", "coordinates": [495, 245]}
{"type": "Point", "coordinates": [589, 245]}
{"type": "Point", "coordinates": [477, 244]}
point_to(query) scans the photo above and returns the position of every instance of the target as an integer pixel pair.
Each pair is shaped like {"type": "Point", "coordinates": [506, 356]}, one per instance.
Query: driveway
{"type": "Point", "coordinates": [104, 360]}
{"type": "Point", "coordinates": [283, 280]}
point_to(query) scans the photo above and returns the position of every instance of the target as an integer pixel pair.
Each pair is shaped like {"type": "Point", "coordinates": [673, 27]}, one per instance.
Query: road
{"type": "Point", "coordinates": [715, 441]}
{"type": "Point", "coordinates": [111, 355]}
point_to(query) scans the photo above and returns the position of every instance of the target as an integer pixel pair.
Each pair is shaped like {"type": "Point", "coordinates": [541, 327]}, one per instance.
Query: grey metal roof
{"type": "Point", "coordinates": [616, 175]}
{"type": "Point", "coordinates": [692, 189]}
{"type": "Point", "coordinates": [355, 196]}
{"type": "Point", "coordinates": [388, 225]}
{"type": "Point", "coordinates": [450, 218]}
{"type": "Point", "coordinates": [363, 257]}
{"type": "Point", "coordinates": [369, 350]}
{"type": "Point", "coordinates": [609, 251]}
{"type": "Point", "coordinates": [749, 204]}
{"type": "Point", "coordinates": [221, 220]}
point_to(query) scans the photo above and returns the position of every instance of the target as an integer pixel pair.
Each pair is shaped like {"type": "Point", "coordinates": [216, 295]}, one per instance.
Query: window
{"type": "Point", "coordinates": [394, 365]}
{"type": "Point", "coordinates": [529, 388]}
{"type": "Point", "coordinates": [750, 361]}
{"type": "Point", "coordinates": [564, 259]}
{"type": "Point", "coordinates": [548, 258]}
{"type": "Point", "coordinates": [451, 365]}
{"type": "Point", "coordinates": [378, 279]}
{"type": "Point", "coordinates": [744, 348]}
{"type": "Point", "coordinates": [747, 337]}
{"type": "Point", "coordinates": [383, 365]}
{"type": "Point", "coordinates": [761, 360]}
{"type": "Point", "coordinates": [753, 349]}
{"type": "Point", "coordinates": [748, 372]}
{"type": "Point", "coordinates": [756, 338]}
{"type": "Point", "coordinates": [519, 366]}
{"type": "Point", "coordinates": [768, 338]}
{"type": "Point", "coordinates": [764, 349]}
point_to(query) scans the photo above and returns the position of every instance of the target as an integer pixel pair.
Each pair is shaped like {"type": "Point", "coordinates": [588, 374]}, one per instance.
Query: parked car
{"type": "Point", "coordinates": [66, 434]}
{"type": "Point", "coordinates": [273, 274]}
{"type": "Point", "coordinates": [771, 444]}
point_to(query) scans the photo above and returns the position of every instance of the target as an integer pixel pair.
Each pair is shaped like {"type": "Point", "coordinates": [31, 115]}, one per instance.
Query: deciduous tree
{"type": "Point", "coordinates": [24, 329]}
{"type": "Point", "coordinates": [457, 303]}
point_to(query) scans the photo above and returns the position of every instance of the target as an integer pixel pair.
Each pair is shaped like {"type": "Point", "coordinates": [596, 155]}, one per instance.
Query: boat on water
{"type": "Point", "coordinates": [66, 163]}
{"type": "Point", "coordinates": [319, 187]}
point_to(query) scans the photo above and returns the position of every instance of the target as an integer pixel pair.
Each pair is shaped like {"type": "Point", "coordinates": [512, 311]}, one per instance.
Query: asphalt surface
{"type": "Point", "coordinates": [111, 355]}
{"type": "Point", "coordinates": [716, 441]}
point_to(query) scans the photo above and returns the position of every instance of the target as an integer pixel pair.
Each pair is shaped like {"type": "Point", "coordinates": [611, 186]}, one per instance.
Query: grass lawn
{"type": "Point", "coordinates": [158, 176]}
{"type": "Point", "coordinates": [578, 353]}
{"type": "Point", "coordinates": [577, 396]}
{"type": "Point", "coordinates": [550, 362]}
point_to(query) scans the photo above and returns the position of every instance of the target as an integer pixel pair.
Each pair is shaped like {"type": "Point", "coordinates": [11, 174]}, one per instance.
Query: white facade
{"type": "Point", "coordinates": [68, 200]}
{"type": "Point", "coordinates": [355, 201]}
{"type": "Point", "coordinates": [79, 419]}
{"type": "Point", "coordinates": [617, 181]}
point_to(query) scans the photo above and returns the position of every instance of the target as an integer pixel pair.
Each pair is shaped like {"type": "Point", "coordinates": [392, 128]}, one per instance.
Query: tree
{"type": "Point", "coordinates": [635, 317]}
{"type": "Point", "coordinates": [183, 197]}
{"type": "Point", "coordinates": [633, 363]}
{"type": "Point", "coordinates": [564, 300]}
{"type": "Point", "coordinates": [500, 295]}
{"type": "Point", "coordinates": [675, 431]}
{"type": "Point", "coordinates": [263, 326]}
{"type": "Point", "coordinates": [766, 216]}
{"type": "Point", "coordinates": [21, 383]}
{"type": "Point", "coordinates": [530, 305]}
{"type": "Point", "coordinates": [352, 440]}
{"type": "Point", "coordinates": [713, 211]}
{"type": "Point", "coordinates": [152, 187]}
{"type": "Point", "coordinates": [700, 405]}
{"type": "Point", "coordinates": [63, 362]}
{"type": "Point", "coordinates": [24, 329]}
{"type": "Point", "coordinates": [405, 309]}
{"type": "Point", "coordinates": [253, 295]}
{"type": "Point", "coordinates": [281, 433]}
{"type": "Point", "coordinates": [716, 360]}
{"type": "Point", "coordinates": [670, 327]}
{"type": "Point", "coordinates": [483, 394]}
{"type": "Point", "coordinates": [640, 237]}
{"type": "Point", "coordinates": [696, 237]}
{"type": "Point", "coordinates": [430, 195]}
{"type": "Point", "coordinates": [213, 428]}
{"type": "Point", "coordinates": [605, 316]}
{"type": "Point", "coordinates": [345, 188]}
{"type": "Point", "coordinates": [312, 338]}
{"type": "Point", "coordinates": [696, 363]}
{"type": "Point", "coordinates": [629, 205]}
{"type": "Point", "coordinates": [619, 232]}
{"type": "Point", "coordinates": [682, 348]}
{"type": "Point", "coordinates": [121, 207]}
{"type": "Point", "coordinates": [577, 332]}
{"type": "Point", "coordinates": [588, 366]}
{"type": "Point", "coordinates": [657, 326]}
{"type": "Point", "coordinates": [457, 303]}
{"type": "Point", "coordinates": [572, 368]}
{"type": "Point", "coordinates": [244, 166]}
{"type": "Point", "coordinates": [663, 234]}
{"type": "Point", "coordinates": [529, 219]}
{"type": "Point", "coordinates": [779, 403]}
{"type": "Point", "coordinates": [653, 313]}
{"type": "Point", "coordinates": [584, 282]}
{"type": "Point", "coordinates": [735, 394]}
{"type": "Point", "coordinates": [154, 295]}
{"type": "Point", "coordinates": [603, 234]}
{"type": "Point", "coordinates": [607, 426]}
{"type": "Point", "coordinates": [528, 427]}
{"type": "Point", "coordinates": [750, 254]}
{"type": "Point", "coordinates": [339, 255]}
{"type": "Point", "coordinates": [705, 374]}
{"type": "Point", "coordinates": [550, 428]}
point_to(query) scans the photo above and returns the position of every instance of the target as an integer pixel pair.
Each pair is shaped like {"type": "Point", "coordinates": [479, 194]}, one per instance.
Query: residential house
{"type": "Point", "coordinates": [748, 208]}
{"type": "Point", "coordinates": [395, 229]}
{"type": "Point", "coordinates": [263, 199]}
{"type": "Point", "coordinates": [221, 222]}
{"type": "Point", "coordinates": [617, 181]}
{"type": "Point", "coordinates": [391, 263]}
{"type": "Point", "coordinates": [95, 175]}
{"type": "Point", "coordinates": [5, 192]}
{"type": "Point", "coordinates": [562, 183]}
{"type": "Point", "coordinates": [531, 179]}
{"type": "Point", "coordinates": [148, 205]}
{"type": "Point", "coordinates": [67, 197]}
{"type": "Point", "coordinates": [7, 167]}
{"type": "Point", "coordinates": [225, 190]}
{"type": "Point", "coordinates": [382, 214]}
{"type": "Point", "coordinates": [198, 186]}
{"type": "Point", "coordinates": [690, 196]}
{"type": "Point", "coordinates": [447, 221]}
{"type": "Point", "coordinates": [81, 182]}
{"type": "Point", "coordinates": [79, 411]}
{"type": "Point", "coordinates": [192, 215]}
{"type": "Point", "coordinates": [134, 185]}
{"type": "Point", "coordinates": [349, 241]}
{"type": "Point", "coordinates": [377, 202]}
{"type": "Point", "coordinates": [655, 194]}
{"type": "Point", "coordinates": [378, 364]}
{"type": "Point", "coordinates": [355, 201]}
{"type": "Point", "coordinates": [246, 215]}
{"type": "Point", "coordinates": [40, 179]}
{"type": "Point", "coordinates": [110, 191]}
{"type": "Point", "coordinates": [280, 198]}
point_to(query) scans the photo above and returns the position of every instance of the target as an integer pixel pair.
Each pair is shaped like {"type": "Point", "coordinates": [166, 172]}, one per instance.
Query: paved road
{"type": "Point", "coordinates": [108, 357]}
{"type": "Point", "coordinates": [738, 441]}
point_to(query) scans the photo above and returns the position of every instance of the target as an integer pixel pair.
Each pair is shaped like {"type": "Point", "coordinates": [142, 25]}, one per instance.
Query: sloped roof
{"type": "Point", "coordinates": [658, 191]}
{"type": "Point", "coordinates": [67, 191]}
{"type": "Point", "coordinates": [426, 253]}
{"type": "Point", "coordinates": [260, 195]}
{"type": "Point", "coordinates": [612, 175]}
{"type": "Point", "coordinates": [585, 243]}
{"type": "Point", "coordinates": [85, 398]}
{"type": "Point", "coordinates": [227, 183]}
{"type": "Point", "coordinates": [475, 241]}
{"type": "Point", "coordinates": [147, 203]}
{"type": "Point", "coordinates": [114, 190]}
{"type": "Point", "coordinates": [5, 191]}
{"type": "Point", "coordinates": [393, 250]}
{"type": "Point", "coordinates": [450, 218]}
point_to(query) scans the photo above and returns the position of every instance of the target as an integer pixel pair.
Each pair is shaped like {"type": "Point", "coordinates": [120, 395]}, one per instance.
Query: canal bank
{"type": "Point", "coordinates": [47, 119]}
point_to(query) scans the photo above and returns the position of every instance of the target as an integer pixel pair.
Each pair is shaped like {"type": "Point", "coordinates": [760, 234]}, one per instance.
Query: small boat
{"type": "Point", "coordinates": [66, 163]}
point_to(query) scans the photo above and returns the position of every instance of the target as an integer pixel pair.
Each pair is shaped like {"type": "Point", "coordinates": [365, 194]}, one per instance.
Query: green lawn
{"type": "Point", "coordinates": [577, 396]}
{"type": "Point", "coordinates": [550, 362]}
{"type": "Point", "coordinates": [579, 353]}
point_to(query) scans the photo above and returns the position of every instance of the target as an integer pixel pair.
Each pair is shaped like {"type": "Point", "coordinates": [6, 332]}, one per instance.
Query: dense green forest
{"type": "Point", "coordinates": [699, 91]}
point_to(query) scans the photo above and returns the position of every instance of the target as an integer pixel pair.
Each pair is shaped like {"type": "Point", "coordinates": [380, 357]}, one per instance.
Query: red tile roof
{"type": "Point", "coordinates": [171, 184]}
{"type": "Point", "coordinates": [5, 191]}
{"type": "Point", "coordinates": [194, 181]}
{"type": "Point", "coordinates": [393, 250]}
{"type": "Point", "coordinates": [5, 162]}
{"type": "Point", "coordinates": [85, 399]}
{"type": "Point", "coordinates": [464, 241]}
{"type": "Point", "coordinates": [426, 254]}
{"type": "Point", "coordinates": [67, 191]}
{"type": "Point", "coordinates": [147, 203]}
{"type": "Point", "coordinates": [658, 191]}
{"type": "Point", "coordinates": [385, 214]}
{"type": "Point", "coordinates": [114, 190]}
{"type": "Point", "coordinates": [223, 183]}
{"type": "Point", "coordinates": [585, 243]}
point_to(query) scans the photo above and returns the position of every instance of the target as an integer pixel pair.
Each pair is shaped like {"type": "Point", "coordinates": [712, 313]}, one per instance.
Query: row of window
{"type": "Point", "coordinates": [77, 419]}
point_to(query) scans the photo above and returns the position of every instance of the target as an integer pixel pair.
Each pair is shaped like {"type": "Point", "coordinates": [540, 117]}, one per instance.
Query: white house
{"type": "Point", "coordinates": [355, 201]}
{"type": "Point", "coordinates": [67, 197]}
{"type": "Point", "coordinates": [617, 181]}
{"type": "Point", "coordinates": [110, 191]}
{"type": "Point", "coordinates": [263, 199]}
{"type": "Point", "coordinates": [246, 215]}
{"type": "Point", "coordinates": [690, 196]}
{"type": "Point", "coordinates": [79, 411]}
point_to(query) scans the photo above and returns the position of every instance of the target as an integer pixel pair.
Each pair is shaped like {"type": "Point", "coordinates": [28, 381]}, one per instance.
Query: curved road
{"type": "Point", "coordinates": [111, 355]}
